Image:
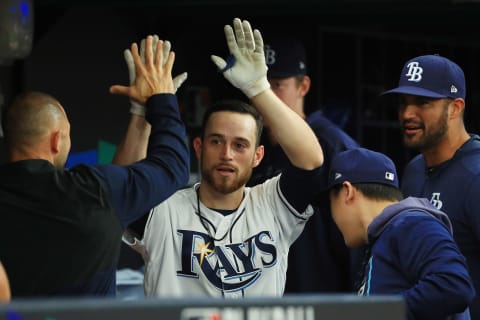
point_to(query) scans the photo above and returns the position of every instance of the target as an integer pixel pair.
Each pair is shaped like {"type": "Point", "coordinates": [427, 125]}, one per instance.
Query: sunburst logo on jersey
{"type": "Point", "coordinates": [204, 251]}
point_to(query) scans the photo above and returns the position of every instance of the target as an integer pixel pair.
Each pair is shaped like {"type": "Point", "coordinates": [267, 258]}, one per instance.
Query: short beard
{"type": "Point", "coordinates": [221, 185]}
{"type": "Point", "coordinates": [431, 138]}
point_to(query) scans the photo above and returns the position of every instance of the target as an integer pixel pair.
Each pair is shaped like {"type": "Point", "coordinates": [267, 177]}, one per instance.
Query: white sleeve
{"type": "Point", "coordinates": [287, 219]}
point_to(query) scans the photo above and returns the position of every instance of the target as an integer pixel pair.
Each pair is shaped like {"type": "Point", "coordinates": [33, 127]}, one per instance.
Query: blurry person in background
{"type": "Point", "coordinates": [335, 265]}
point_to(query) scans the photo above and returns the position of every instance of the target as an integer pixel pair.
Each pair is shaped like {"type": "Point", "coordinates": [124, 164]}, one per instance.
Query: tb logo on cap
{"type": "Point", "coordinates": [269, 55]}
{"type": "Point", "coordinates": [414, 72]}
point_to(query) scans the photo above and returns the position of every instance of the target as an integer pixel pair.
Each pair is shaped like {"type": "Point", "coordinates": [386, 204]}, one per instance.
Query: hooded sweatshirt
{"type": "Point", "coordinates": [412, 253]}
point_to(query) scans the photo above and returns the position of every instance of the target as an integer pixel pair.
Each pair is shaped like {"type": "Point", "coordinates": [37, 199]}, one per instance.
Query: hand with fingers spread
{"type": "Point", "coordinates": [245, 68]}
{"type": "Point", "coordinates": [152, 76]}
{"type": "Point", "coordinates": [137, 108]}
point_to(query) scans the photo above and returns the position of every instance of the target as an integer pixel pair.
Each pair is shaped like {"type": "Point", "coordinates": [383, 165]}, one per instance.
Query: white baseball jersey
{"type": "Point", "coordinates": [248, 257]}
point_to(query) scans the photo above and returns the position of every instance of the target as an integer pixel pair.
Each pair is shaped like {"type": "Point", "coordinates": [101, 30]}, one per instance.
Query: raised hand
{"type": "Point", "coordinates": [245, 68]}
{"type": "Point", "coordinates": [137, 108]}
{"type": "Point", "coordinates": [152, 76]}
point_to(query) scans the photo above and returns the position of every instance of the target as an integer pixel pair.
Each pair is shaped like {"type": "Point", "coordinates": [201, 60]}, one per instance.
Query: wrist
{"type": "Point", "coordinates": [256, 87]}
{"type": "Point", "coordinates": [137, 109]}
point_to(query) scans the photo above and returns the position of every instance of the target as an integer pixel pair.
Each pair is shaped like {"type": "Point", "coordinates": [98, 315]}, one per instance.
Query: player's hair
{"type": "Point", "coordinates": [30, 113]}
{"type": "Point", "coordinates": [234, 106]}
{"type": "Point", "coordinates": [374, 191]}
{"type": "Point", "coordinates": [299, 79]}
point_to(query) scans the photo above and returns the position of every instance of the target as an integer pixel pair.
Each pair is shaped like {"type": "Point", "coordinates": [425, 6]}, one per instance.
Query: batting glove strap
{"type": "Point", "coordinates": [136, 108]}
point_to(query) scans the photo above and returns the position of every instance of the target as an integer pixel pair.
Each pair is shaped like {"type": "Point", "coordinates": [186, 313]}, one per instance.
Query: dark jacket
{"type": "Point", "coordinates": [412, 253]}
{"type": "Point", "coordinates": [61, 229]}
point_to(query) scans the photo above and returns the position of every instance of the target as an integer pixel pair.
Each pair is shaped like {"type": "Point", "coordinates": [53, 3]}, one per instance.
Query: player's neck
{"type": "Point", "coordinates": [445, 149]}
{"type": "Point", "coordinates": [19, 154]}
{"type": "Point", "coordinates": [217, 200]}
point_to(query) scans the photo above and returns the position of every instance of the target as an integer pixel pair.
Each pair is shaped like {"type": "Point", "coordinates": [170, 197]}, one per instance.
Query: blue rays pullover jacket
{"type": "Point", "coordinates": [411, 252]}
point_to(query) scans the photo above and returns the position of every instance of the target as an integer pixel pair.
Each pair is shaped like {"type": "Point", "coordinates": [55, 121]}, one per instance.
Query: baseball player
{"type": "Point", "coordinates": [220, 238]}
{"type": "Point", "coordinates": [410, 249]}
{"type": "Point", "coordinates": [432, 93]}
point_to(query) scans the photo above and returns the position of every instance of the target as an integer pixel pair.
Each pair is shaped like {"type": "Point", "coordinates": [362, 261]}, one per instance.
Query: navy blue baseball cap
{"type": "Point", "coordinates": [431, 76]}
{"type": "Point", "coordinates": [285, 57]}
{"type": "Point", "coordinates": [360, 165]}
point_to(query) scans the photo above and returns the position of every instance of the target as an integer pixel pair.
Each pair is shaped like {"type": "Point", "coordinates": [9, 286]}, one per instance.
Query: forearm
{"type": "Point", "coordinates": [140, 186]}
{"type": "Point", "coordinates": [296, 138]}
{"type": "Point", "coordinates": [248, 72]}
{"type": "Point", "coordinates": [426, 300]}
{"type": "Point", "coordinates": [441, 269]}
{"type": "Point", "coordinates": [134, 146]}
{"type": "Point", "coordinates": [5, 294]}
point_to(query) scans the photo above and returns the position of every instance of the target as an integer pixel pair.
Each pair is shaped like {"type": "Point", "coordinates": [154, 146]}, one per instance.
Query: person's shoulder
{"type": "Point", "coordinates": [408, 225]}
{"type": "Point", "coordinates": [469, 155]}
{"type": "Point", "coordinates": [181, 197]}
{"type": "Point", "coordinates": [79, 168]}
{"type": "Point", "coordinates": [417, 219]}
{"type": "Point", "coordinates": [263, 188]}
{"type": "Point", "coordinates": [82, 174]}
{"type": "Point", "coordinates": [265, 184]}
{"type": "Point", "coordinates": [417, 163]}
{"type": "Point", "coordinates": [329, 132]}
{"type": "Point", "coordinates": [318, 120]}
{"type": "Point", "coordinates": [183, 200]}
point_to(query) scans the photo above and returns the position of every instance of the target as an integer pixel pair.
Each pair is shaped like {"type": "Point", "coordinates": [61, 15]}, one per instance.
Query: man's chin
{"type": "Point", "coordinates": [412, 144]}
{"type": "Point", "coordinates": [225, 189]}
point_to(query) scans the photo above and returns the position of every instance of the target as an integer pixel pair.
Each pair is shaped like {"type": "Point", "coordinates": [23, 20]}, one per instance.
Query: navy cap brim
{"type": "Point", "coordinates": [415, 91]}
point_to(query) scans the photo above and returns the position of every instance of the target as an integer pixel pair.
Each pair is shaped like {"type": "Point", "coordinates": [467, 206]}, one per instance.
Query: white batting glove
{"type": "Point", "coordinates": [245, 68]}
{"type": "Point", "coordinates": [135, 107]}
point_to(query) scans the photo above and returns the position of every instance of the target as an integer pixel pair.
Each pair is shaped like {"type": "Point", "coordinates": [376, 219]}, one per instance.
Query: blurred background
{"type": "Point", "coordinates": [355, 50]}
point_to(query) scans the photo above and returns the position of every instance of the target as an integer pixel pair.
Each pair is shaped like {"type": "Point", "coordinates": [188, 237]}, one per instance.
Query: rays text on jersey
{"type": "Point", "coordinates": [230, 267]}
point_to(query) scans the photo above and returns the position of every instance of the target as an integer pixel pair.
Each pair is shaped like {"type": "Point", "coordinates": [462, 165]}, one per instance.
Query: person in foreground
{"type": "Point", "coordinates": [220, 238]}
{"type": "Point", "coordinates": [410, 248]}
{"type": "Point", "coordinates": [63, 227]}
{"type": "Point", "coordinates": [5, 294]}
{"type": "Point", "coordinates": [431, 105]}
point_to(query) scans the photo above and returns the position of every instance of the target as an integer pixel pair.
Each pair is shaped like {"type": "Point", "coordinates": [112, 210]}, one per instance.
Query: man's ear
{"type": "Point", "coordinates": [55, 138]}
{"type": "Point", "coordinates": [458, 107]}
{"type": "Point", "coordinates": [305, 85]}
{"type": "Point", "coordinates": [350, 192]}
{"type": "Point", "coordinates": [197, 145]}
{"type": "Point", "coordinates": [259, 153]}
